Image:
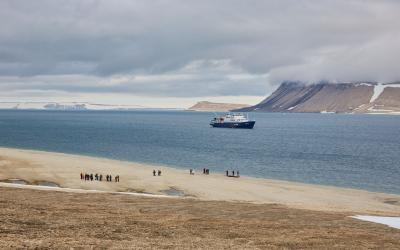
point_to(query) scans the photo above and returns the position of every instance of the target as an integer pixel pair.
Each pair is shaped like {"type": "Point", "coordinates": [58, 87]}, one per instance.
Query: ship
{"type": "Point", "coordinates": [232, 120]}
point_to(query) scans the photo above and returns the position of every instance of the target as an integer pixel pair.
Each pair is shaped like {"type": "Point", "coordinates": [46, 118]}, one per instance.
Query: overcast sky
{"type": "Point", "coordinates": [172, 53]}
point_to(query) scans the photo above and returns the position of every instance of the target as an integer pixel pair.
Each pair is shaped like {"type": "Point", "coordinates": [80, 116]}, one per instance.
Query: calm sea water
{"type": "Point", "coordinates": [358, 151]}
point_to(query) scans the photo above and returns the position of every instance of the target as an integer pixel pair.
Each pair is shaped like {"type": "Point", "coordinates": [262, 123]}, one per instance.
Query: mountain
{"type": "Point", "coordinates": [356, 97]}
{"type": "Point", "coordinates": [214, 106]}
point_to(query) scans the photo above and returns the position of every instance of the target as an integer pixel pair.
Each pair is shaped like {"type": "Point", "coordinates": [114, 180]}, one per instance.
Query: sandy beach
{"type": "Point", "coordinates": [45, 205]}
{"type": "Point", "coordinates": [63, 170]}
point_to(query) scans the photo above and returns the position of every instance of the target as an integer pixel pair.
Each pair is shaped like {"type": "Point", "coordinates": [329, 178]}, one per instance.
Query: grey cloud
{"type": "Point", "coordinates": [284, 40]}
{"type": "Point", "coordinates": [182, 83]}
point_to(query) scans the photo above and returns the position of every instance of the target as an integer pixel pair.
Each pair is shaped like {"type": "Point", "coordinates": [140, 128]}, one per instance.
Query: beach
{"type": "Point", "coordinates": [63, 170]}
{"type": "Point", "coordinates": [45, 204]}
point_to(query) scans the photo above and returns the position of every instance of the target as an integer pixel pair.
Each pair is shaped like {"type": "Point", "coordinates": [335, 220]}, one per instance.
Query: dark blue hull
{"type": "Point", "coordinates": [248, 125]}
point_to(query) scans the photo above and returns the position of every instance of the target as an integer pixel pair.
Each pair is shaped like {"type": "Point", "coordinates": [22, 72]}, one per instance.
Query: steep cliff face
{"type": "Point", "coordinates": [332, 97]}
{"type": "Point", "coordinates": [214, 106]}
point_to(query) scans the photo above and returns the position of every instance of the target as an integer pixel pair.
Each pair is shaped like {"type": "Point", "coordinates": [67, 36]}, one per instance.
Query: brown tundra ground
{"type": "Point", "coordinates": [57, 220]}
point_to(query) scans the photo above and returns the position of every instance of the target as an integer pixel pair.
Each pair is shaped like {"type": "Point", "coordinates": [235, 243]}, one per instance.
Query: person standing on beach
{"type": "Point", "coordinates": [81, 176]}
{"type": "Point", "coordinates": [159, 172]}
{"type": "Point", "coordinates": [110, 177]}
{"type": "Point", "coordinates": [227, 173]}
{"type": "Point", "coordinates": [154, 172]}
{"type": "Point", "coordinates": [91, 177]}
{"type": "Point", "coordinates": [101, 177]}
{"type": "Point", "coordinates": [96, 176]}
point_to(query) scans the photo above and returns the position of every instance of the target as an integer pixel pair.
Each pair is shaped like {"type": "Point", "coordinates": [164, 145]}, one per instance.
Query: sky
{"type": "Point", "coordinates": [173, 53]}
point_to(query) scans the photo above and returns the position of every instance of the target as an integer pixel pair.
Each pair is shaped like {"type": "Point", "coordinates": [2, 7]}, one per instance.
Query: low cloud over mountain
{"type": "Point", "coordinates": [192, 48]}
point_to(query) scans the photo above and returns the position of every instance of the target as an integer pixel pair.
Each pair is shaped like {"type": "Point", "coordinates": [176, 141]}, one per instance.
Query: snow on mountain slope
{"type": "Point", "coordinates": [358, 97]}
{"type": "Point", "coordinates": [379, 88]}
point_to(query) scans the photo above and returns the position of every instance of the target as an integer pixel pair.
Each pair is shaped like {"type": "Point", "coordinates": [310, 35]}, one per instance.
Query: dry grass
{"type": "Point", "coordinates": [57, 220]}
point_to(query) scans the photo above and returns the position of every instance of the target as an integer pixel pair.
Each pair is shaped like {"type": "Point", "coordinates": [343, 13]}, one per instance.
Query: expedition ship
{"type": "Point", "coordinates": [234, 120]}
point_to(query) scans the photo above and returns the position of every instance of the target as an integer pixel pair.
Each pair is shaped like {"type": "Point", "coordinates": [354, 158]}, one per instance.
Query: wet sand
{"type": "Point", "coordinates": [63, 170]}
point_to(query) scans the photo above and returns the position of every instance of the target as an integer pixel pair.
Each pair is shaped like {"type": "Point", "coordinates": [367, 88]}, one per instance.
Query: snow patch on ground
{"type": "Point", "coordinates": [77, 190]}
{"type": "Point", "coordinates": [379, 88]}
{"type": "Point", "coordinates": [373, 109]}
{"type": "Point", "coordinates": [389, 221]}
{"type": "Point", "coordinates": [377, 110]}
{"type": "Point", "coordinates": [365, 84]}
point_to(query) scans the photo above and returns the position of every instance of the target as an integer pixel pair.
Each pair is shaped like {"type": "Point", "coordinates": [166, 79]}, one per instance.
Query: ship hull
{"type": "Point", "coordinates": [245, 125]}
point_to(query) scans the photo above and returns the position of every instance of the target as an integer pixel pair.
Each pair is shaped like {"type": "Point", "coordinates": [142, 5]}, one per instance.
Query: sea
{"type": "Point", "coordinates": [354, 151]}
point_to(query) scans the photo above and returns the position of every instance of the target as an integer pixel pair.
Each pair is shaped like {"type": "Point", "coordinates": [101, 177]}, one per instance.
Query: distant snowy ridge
{"type": "Point", "coordinates": [66, 106]}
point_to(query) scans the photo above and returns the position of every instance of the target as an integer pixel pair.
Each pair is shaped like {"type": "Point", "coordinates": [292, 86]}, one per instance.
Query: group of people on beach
{"type": "Point", "coordinates": [158, 172]}
{"type": "Point", "coordinates": [98, 177]}
{"type": "Point", "coordinates": [205, 171]}
{"type": "Point", "coordinates": [233, 173]}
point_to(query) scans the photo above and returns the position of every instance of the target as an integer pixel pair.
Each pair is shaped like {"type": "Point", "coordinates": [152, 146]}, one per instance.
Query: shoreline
{"type": "Point", "coordinates": [64, 170]}
{"type": "Point", "coordinates": [378, 112]}
{"type": "Point", "coordinates": [178, 168]}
